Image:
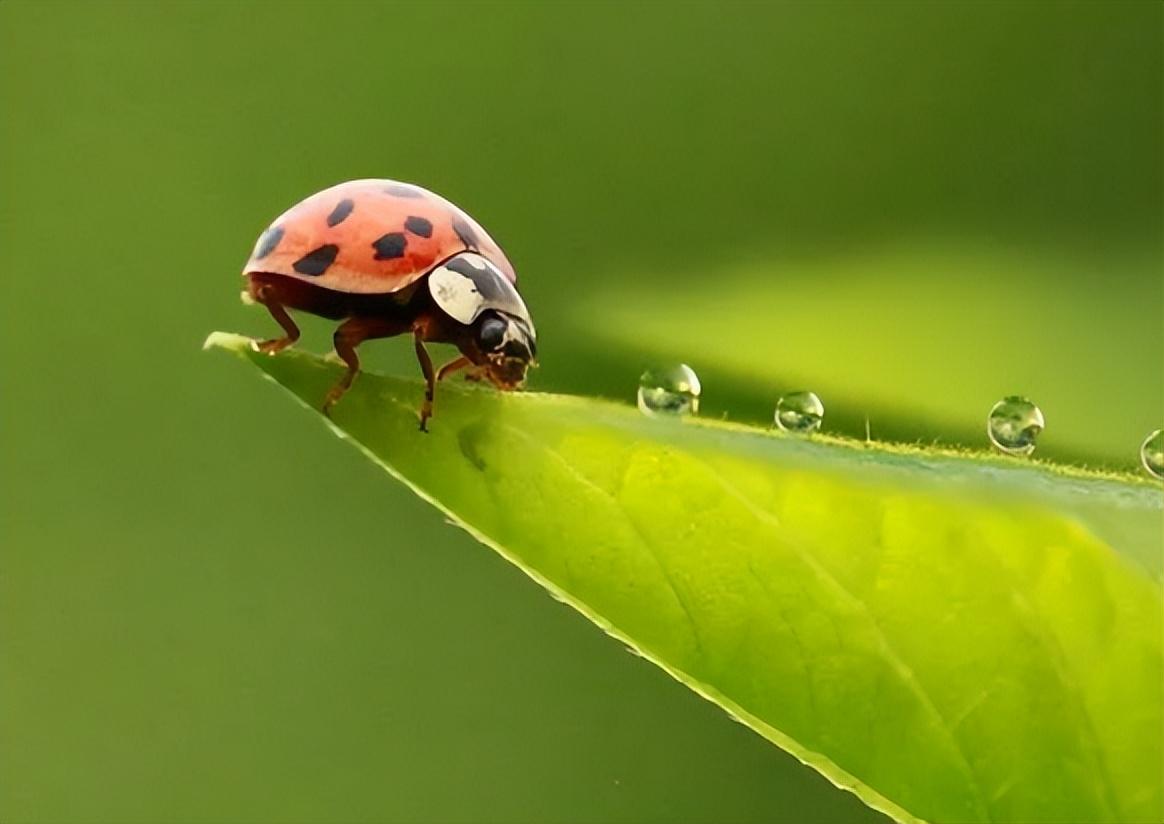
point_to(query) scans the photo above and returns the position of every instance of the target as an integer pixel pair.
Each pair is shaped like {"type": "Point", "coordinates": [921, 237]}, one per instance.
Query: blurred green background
{"type": "Point", "coordinates": [211, 611]}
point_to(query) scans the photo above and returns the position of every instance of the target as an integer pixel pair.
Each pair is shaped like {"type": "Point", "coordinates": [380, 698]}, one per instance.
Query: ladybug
{"type": "Point", "coordinates": [390, 258]}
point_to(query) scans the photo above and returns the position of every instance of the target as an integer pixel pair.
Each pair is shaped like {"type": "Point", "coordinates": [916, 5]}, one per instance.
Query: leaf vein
{"type": "Point", "coordinates": [903, 670]}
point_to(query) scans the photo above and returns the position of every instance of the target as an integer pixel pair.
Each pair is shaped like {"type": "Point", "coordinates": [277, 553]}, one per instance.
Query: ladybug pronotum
{"type": "Point", "coordinates": [390, 258]}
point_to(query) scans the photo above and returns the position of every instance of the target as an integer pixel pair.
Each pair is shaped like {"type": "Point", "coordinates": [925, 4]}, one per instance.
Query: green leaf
{"type": "Point", "coordinates": [951, 637]}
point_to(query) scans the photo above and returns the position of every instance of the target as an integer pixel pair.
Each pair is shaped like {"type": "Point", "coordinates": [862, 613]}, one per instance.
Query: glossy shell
{"type": "Point", "coordinates": [370, 237]}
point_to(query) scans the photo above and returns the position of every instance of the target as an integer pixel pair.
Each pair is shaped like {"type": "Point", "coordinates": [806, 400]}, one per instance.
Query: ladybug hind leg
{"type": "Point", "coordinates": [265, 294]}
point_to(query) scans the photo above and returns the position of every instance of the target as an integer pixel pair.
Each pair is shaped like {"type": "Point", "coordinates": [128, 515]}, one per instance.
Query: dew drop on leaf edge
{"type": "Point", "coordinates": [671, 391]}
{"type": "Point", "coordinates": [801, 412]}
{"type": "Point", "coordinates": [1152, 454]}
{"type": "Point", "coordinates": [1014, 425]}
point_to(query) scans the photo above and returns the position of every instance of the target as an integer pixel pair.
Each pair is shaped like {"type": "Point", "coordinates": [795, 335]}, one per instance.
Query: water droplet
{"type": "Point", "coordinates": [799, 412]}
{"type": "Point", "coordinates": [1152, 454]}
{"type": "Point", "coordinates": [1014, 425]}
{"type": "Point", "coordinates": [672, 390]}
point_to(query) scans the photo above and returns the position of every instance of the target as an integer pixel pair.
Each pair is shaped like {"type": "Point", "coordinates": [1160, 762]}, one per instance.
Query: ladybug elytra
{"type": "Point", "coordinates": [390, 258]}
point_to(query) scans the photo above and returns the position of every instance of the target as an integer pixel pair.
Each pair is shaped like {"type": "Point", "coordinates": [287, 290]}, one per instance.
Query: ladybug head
{"type": "Point", "coordinates": [498, 333]}
{"type": "Point", "coordinates": [505, 346]}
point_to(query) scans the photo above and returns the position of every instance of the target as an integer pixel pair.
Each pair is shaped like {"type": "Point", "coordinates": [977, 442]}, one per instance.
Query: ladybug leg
{"type": "Point", "coordinates": [429, 378]}
{"type": "Point", "coordinates": [453, 366]}
{"type": "Point", "coordinates": [263, 294]}
{"type": "Point", "coordinates": [350, 334]}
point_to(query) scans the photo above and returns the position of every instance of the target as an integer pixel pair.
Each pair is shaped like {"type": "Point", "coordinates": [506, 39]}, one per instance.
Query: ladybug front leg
{"type": "Point", "coordinates": [453, 366]}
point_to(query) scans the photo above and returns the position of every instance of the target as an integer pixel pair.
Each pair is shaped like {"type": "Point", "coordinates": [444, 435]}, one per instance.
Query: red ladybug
{"type": "Point", "coordinates": [388, 258]}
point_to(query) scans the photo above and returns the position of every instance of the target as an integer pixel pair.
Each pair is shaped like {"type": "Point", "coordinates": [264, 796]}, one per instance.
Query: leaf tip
{"type": "Point", "coordinates": [228, 341]}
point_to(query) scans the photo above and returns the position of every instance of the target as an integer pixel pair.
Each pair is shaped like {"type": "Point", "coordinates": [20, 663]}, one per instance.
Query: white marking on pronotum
{"type": "Point", "coordinates": [464, 297]}
{"type": "Point", "coordinates": [456, 294]}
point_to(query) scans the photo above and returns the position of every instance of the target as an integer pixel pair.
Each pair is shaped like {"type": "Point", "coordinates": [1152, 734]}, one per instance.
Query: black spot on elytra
{"type": "Point", "coordinates": [418, 226]}
{"type": "Point", "coordinates": [268, 241]}
{"type": "Point", "coordinates": [390, 246]}
{"type": "Point", "coordinates": [465, 232]}
{"type": "Point", "coordinates": [315, 262]}
{"type": "Point", "coordinates": [341, 211]}
{"type": "Point", "coordinates": [403, 190]}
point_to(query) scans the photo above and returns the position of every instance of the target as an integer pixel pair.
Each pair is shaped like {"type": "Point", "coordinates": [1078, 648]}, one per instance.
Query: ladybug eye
{"type": "Point", "coordinates": [491, 334]}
